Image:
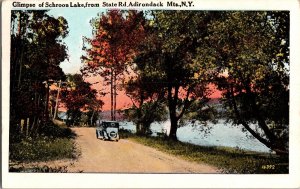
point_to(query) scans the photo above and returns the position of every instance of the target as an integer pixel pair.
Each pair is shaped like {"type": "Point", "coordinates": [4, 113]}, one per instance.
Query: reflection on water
{"type": "Point", "coordinates": [220, 134]}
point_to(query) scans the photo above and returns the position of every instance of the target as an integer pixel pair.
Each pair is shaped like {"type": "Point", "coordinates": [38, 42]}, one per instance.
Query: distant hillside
{"type": "Point", "coordinates": [105, 115]}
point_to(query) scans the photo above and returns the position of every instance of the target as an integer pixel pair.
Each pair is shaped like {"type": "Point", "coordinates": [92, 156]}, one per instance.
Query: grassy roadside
{"type": "Point", "coordinates": [229, 160]}
{"type": "Point", "coordinates": [55, 142]}
{"type": "Point", "coordinates": [42, 149]}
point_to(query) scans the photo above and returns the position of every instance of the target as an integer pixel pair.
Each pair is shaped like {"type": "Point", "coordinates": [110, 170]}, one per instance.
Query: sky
{"type": "Point", "coordinates": [79, 26]}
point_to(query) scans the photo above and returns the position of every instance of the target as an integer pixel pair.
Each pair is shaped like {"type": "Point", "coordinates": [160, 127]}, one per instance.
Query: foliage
{"type": "Point", "coordinates": [148, 101]}
{"type": "Point", "coordinates": [51, 130]}
{"type": "Point", "coordinates": [202, 111]}
{"type": "Point", "coordinates": [91, 117]}
{"type": "Point", "coordinates": [227, 160]}
{"type": "Point", "coordinates": [125, 133]}
{"type": "Point", "coordinates": [146, 114]}
{"type": "Point", "coordinates": [116, 34]}
{"type": "Point", "coordinates": [36, 52]}
{"type": "Point", "coordinates": [245, 54]}
{"type": "Point", "coordinates": [93, 110]}
{"type": "Point", "coordinates": [251, 49]}
{"type": "Point", "coordinates": [53, 142]}
{"type": "Point", "coordinates": [78, 97]}
{"type": "Point", "coordinates": [167, 60]}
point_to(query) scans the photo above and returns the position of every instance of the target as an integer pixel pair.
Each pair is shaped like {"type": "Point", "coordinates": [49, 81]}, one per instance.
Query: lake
{"type": "Point", "coordinates": [220, 134]}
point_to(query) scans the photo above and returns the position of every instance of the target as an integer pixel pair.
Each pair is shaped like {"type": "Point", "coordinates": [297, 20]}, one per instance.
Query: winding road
{"type": "Point", "coordinates": [126, 156]}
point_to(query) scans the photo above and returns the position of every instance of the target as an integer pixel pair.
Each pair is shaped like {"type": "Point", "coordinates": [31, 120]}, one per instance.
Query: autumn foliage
{"type": "Point", "coordinates": [112, 48]}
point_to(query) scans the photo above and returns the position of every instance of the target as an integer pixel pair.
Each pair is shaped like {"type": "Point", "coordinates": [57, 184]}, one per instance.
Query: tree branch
{"type": "Point", "coordinates": [256, 111]}
{"type": "Point", "coordinates": [237, 114]}
{"type": "Point", "coordinates": [131, 99]}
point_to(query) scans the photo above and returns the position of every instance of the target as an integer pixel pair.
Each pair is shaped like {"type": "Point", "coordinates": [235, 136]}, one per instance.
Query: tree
{"type": "Point", "coordinates": [148, 102]}
{"type": "Point", "coordinates": [79, 97]}
{"type": "Point", "coordinates": [94, 108]}
{"type": "Point", "coordinates": [116, 34]}
{"type": "Point", "coordinates": [146, 114]}
{"type": "Point", "coordinates": [169, 55]}
{"type": "Point", "coordinates": [36, 52]}
{"type": "Point", "coordinates": [253, 58]}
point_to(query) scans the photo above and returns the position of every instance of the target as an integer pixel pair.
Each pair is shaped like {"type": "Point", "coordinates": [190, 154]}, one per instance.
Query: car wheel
{"type": "Point", "coordinates": [113, 134]}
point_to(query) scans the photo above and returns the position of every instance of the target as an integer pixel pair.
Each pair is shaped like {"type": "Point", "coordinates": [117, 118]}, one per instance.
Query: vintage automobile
{"type": "Point", "coordinates": [108, 130]}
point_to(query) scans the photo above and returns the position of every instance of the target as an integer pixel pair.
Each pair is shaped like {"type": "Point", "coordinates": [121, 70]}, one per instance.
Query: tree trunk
{"type": "Point", "coordinates": [173, 129]}
{"type": "Point", "coordinates": [46, 111]}
{"type": "Point", "coordinates": [274, 143]}
{"type": "Point", "coordinates": [115, 96]}
{"type": "Point", "coordinates": [256, 113]}
{"type": "Point", "coordinates": [172, 103]}
{"type": "Point", "coordinates": [35, 109]}
{"type": "Point", "coordinates": [111, 96]}
{"type": "Point", "coordinates": [20, 69]}
{"type": "Point", "coordinates": [270, 143]}
{"type": "Point", "coordinates": [146, 127]}
{"type": "Point", "coordinates": [139, 128]}
{"type": "Point", "coordinates": [92, 117]}
{"type": "Point", "coordinates": [30, 124]}
{"type": "Point", "coordinates": [37, 116]}
{"type": "Point", "coordinates": [22, 52]}
{"type": "Point", "coordinates": [57, 100]}
{"type": "Point", "coordinates": [25, 125]}
{"type": "Point", "coordinates": [139, 113]}
{"type": "Point", "coordinates": [33, 126]}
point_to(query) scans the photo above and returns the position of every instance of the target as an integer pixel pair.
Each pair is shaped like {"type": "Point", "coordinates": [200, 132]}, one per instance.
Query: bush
{"type": "Point", "coordinates": [124, 133]}
{"type": "Point", "coordinates": [50, 129]}
{"type": "Point", "coordinates": [42, 149]}
{"type": "Point", "coordinates": [44, 169]}
{"type": "Point", "coordinates": [52, 142]}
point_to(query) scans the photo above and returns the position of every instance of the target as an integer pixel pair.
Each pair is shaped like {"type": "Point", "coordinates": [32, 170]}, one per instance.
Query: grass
{"type": "Point", "coordinates": [42, 149]}
{"type": "Point", "coordinates": [37, 169]}
{"type": "Point", "coordinates": [228, 160]}
{"type": "Point", "coordinates": [52, 143]}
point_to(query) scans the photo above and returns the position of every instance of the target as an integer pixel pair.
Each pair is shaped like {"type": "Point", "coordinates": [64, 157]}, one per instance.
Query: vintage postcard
{"type": "Point", "coordinates": [146, 94]}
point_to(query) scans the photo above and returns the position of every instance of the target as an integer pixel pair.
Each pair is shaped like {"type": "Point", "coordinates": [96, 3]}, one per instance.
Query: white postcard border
{"type": "Point", "coordinates": [89, 180]}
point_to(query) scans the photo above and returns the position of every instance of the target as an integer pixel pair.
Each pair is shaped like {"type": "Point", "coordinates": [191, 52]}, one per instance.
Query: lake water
{"type": "Point", "coordinates": [220, 134]}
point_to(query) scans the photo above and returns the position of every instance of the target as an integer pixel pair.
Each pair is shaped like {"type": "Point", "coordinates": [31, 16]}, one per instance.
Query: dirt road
{"type": "Point", "coordinates": [127, 157]}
